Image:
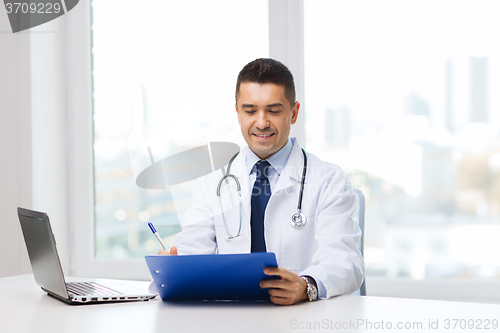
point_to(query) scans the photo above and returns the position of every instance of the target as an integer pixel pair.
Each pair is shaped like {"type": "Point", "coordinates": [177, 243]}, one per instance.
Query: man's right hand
{"type": "Point", "coordinates": [173, 251]}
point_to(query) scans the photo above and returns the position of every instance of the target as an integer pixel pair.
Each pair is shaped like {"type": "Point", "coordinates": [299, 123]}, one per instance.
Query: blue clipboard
{"type": "Point", "coordinates": [211, 276]}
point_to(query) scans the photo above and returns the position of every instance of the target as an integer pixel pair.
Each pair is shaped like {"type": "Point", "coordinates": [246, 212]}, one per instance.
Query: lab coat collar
{"type": "Point", "coordinates": [295, 163]}
{"type": "Point", "coordinates": [293, 169]}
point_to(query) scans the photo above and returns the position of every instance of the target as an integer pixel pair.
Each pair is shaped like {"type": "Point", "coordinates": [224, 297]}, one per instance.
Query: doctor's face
{"type": "Point", "coordinates": [265, 117]}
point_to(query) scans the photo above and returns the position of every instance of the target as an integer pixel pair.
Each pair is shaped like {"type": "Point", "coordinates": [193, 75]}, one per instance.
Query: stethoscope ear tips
{"type": "Point", "coordinates": [298, 220]}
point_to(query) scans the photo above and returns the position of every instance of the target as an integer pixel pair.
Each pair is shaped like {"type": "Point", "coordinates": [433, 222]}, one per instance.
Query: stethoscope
{"type": "Point", "coordinates": [298, 218]}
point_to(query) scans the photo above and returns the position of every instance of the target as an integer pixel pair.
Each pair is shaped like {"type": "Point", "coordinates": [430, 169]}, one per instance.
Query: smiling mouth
{"type": "Point", "coordinates": [263, 136]}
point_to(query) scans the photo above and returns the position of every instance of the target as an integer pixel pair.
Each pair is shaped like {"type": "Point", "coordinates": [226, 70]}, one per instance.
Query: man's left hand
{"type": "Point", "coordinates": [289, 290]}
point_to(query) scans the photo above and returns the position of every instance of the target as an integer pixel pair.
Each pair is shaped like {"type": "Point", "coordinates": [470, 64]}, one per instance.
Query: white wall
{"type": "Point", "coordinates": [15, 146]}
{"type": "Point", "coordinates": [33, 150]}
{"type": "Point", "coordinates": [49, 115]}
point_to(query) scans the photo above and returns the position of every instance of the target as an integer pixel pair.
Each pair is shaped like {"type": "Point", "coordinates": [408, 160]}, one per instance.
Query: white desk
{"type": "Point", "coordinates": [24, 307]}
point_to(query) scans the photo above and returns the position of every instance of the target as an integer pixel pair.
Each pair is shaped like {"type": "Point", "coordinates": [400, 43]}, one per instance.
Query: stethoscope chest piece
{"type": "Point", "coordinates": [298, 220]}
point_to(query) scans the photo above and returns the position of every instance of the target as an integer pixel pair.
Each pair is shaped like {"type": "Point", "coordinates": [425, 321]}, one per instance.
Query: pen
{"type": "Point", "coordinates": [151, 226]}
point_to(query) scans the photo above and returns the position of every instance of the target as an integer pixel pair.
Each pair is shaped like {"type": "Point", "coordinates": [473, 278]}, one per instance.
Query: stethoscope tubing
{"type": "Point", "coordinates": [298, 219]}
{"type": "Point", "coordinates": [238, 187]}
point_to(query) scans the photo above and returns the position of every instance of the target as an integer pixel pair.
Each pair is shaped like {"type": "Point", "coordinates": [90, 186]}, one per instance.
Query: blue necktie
{"type": "Point", "coordinates": [260, 196]}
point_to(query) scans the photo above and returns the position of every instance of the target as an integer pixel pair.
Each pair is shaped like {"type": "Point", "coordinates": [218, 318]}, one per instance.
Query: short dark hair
{"type": "Point", "coordinates": [267, 70]}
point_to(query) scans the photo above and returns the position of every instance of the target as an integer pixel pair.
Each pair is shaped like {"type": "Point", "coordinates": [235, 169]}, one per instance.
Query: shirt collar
{"type": "Point", "coordinates": [277, 160]}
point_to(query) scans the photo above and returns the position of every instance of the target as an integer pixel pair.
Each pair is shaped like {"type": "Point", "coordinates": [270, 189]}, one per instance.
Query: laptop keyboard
{"type": "Point", "coordinates": [89, 289]}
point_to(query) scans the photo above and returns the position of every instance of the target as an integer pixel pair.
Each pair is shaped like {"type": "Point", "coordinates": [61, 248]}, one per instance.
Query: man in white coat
{"type": "Point", "coordinates": [320, 259]}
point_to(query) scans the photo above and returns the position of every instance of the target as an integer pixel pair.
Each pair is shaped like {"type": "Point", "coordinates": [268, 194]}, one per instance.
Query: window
{"type": "Point", "coordinates": [401, 95]}
{"type": "Point", "coordinates": [164, 75]}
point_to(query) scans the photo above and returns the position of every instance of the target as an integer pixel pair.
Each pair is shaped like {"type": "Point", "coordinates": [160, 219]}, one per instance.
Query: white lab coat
{"type": "Point", "coordinates": [326, 248]}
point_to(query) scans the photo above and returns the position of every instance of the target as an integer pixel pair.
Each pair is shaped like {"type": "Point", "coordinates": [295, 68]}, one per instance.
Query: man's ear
{"type": "Point", "coordinates": [295, 112]}
{"type": "Point", "coordinates": [237, 113]}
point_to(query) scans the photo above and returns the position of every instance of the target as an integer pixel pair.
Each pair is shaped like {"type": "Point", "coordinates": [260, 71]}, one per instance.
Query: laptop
{"type": "Point", "coordinates": [48, 272]}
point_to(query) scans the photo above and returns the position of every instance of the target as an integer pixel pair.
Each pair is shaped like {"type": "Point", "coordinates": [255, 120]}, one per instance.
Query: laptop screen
{"type": "Point", "coordinates": [42, 251]}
